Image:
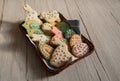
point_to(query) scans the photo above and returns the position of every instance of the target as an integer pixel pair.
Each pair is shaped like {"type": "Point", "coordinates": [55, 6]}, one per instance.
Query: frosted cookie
{"type": "Point", "coordinates": [61, 55]}
{"type": "Point", "coordinates": [41, 38]}
{"type": "Point", "coordinates": [62, 26]}
{"type": "Point", "coordinates": [46, 27]}
{"type": "Point", "coordinates": [57, 32]}
{"type": "Point", "coordinates": [75, 39]}
{"type": "Point", "coordinates": [50, 16]}
{"type": "Point", "coordinates": [31, 14]}
{"type": "Point", "coordinates": [53, 42]}
{"type": "Point", "coordinates": [69, 33]}
{"type": "Point", "coordinates": [32, 27]}
{"type": "Point", "coordinates": [46, 50]}
{"type": "Point", "coordinates": [80, 50]}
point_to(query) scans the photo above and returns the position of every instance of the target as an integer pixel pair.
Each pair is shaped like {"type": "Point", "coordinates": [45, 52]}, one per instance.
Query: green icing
{"type": "Point", "coordinates": [62, 26]}
{"type": "Point", "coordinates": [69, 33]}
{"type": "Point", "coordinates": [33, 25]}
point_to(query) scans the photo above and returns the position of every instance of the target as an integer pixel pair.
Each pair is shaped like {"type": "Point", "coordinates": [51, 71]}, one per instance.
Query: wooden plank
{"type": "Point", "coordinates": [12, 43]}
{"type": "Point", "coordinates": [104, 32]}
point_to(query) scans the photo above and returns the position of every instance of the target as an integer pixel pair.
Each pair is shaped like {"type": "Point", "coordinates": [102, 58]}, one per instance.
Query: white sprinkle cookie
{"type": "Point", "coordinates": [50, 16]}
{"type": "Point", "coordinates": [32, 14]}
{"type": "Point", "coordinates": [79, 50]}
{"type": "Point", "coordinates": [41, 38]}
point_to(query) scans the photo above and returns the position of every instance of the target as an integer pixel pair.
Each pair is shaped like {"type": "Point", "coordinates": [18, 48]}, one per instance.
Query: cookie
{"type": "Point", "coordinates": [31, 14]}
{"type": "Point", "coordinates": [57, 32]}
{"type": "Point", "coordinates": [61, 55]}
{"type": "Point", "coordinates": [53, 42]}
{"type": "Point", "coordinates": [50, 16]}
{"type": "Point", "coordinates": [46, 27]}
{"type": "Point", "coordinates": [46, 50]}
{"type": "Point", "coordinates": [75, 39]}
{"type": "Point", "coordinates": [62, 26]}
{"type": "Point", "coordinates": [41, 38]}
{"type": "Point", "coordinates": [69, 33]}
{"type": "Point", "coordinates": [80, 50]}
{"type": "Point", "coordinates": [32, 27]}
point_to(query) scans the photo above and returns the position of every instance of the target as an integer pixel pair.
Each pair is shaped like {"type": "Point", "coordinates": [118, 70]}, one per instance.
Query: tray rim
{"type": "Point", "coordinates": [41, 58]}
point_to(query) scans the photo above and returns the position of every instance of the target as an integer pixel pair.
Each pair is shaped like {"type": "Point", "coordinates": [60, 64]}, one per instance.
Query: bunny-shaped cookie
{"type": "Point", "coordinates": [32, 14]}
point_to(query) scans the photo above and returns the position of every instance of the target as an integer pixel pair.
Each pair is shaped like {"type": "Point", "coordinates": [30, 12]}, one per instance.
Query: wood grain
{"type": "Point", "coordinates": [100, 23]}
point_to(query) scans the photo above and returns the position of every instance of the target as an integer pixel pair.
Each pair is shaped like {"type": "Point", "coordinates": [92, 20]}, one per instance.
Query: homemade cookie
{"type": "Point", "coordinates": [32, 14]}
{"type": "Point", "coordinates": [53, 42]}
{"type": "Point", "coordinates": [46, 50]}
{"type": "Point", "coordinates": [69, 33]}
{"type": "Point", "coordinates": [50, 17]}
{"type": "Point", "coordinates": [62, 26]}
{"type": "Point", "coordinates": [46, 27]}
{"type": "Point", "coordinates": [57, 32]}
{"type": "Point", "coordinates": [32, 27]}
{"type": "Point", "coordinates": [75, 39]}
{"type": "Point", "coordinates": [41, 38]}
{"type": "Point", "coordinates": [80, 50]}
{"type": "Point", "coordinates": [61, 55]}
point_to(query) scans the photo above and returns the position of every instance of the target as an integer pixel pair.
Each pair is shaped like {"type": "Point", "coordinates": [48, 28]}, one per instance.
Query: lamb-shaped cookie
{"type": "Point", "coordinates": [41, 38]}
{"type": "Point", "coordinates": [32, 14]}
{"type": "Point", "coordinates": [50, 17]}
{"type": "Point", "coordinates": [61, 55]}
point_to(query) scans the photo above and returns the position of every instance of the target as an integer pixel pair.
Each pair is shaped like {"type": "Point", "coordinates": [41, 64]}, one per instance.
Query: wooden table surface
{"type": "Point", "coordinates": [100, 23]}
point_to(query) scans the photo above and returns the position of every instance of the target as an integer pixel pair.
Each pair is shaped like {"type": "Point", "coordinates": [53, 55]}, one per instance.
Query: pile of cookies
{"type": "Point", "coordinates": [58, 43]}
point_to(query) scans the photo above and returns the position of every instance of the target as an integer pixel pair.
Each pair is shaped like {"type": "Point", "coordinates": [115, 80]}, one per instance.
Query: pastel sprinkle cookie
{"type": "Point", "coordinates": [32, 27]}
{"type": "Point", "coordinates": [46, 50]}
{"type": "Point", "coordinates": [61, 55]}
{"type": "Point", "coordinates": [57, 32]}
{"type": "Point", "coordinates": [75, 39]}
{"type": "Point", "coordinates": [32, 14]}
{"type": "Point", "coordinates": [50, 16]}
{"type": "Point", "coordinates": [46, 27]}
{"type": "Point", "coordinates": [41, 38]}
{"type": "Point", "coordinates": [79, 50]}
{"type": "Point", "coordinates": [62, 26]}
{"type": "Point", "coordinates": [69, 33]}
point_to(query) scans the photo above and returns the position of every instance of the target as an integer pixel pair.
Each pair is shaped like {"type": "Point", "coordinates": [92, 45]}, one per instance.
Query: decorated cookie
{"type": "Point", "coordinates": [79, 50]}
{"type": "Point", "coordinates": [69, 33]}
{"type": "Point", "coordinates": [32, 27]}
{"type": "Point", "coordinates": [75, 39]}
{"type": "Point", "coordinates": [62, 26]}
{"type": "Point", "coordinates": [53, 42]}
{"type": "Point", "coordinates": [46, 50]}
{"type": "Point", "coordinates": [61, 55]}
{"type": "Point", "coordinates": [50, 16]}
{"type": "Point", "coordinates": [41, 38]}
{"type": "Point", "coordinates": [46, 27]}
{"type": "Point", "coordinates": [57, 32]}
{"type": "Point", "coordinates": [32, 14]}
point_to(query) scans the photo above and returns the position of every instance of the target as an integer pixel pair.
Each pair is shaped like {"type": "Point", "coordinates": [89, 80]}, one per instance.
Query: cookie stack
{"type": "Point", "coordinates": [57, 41]}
